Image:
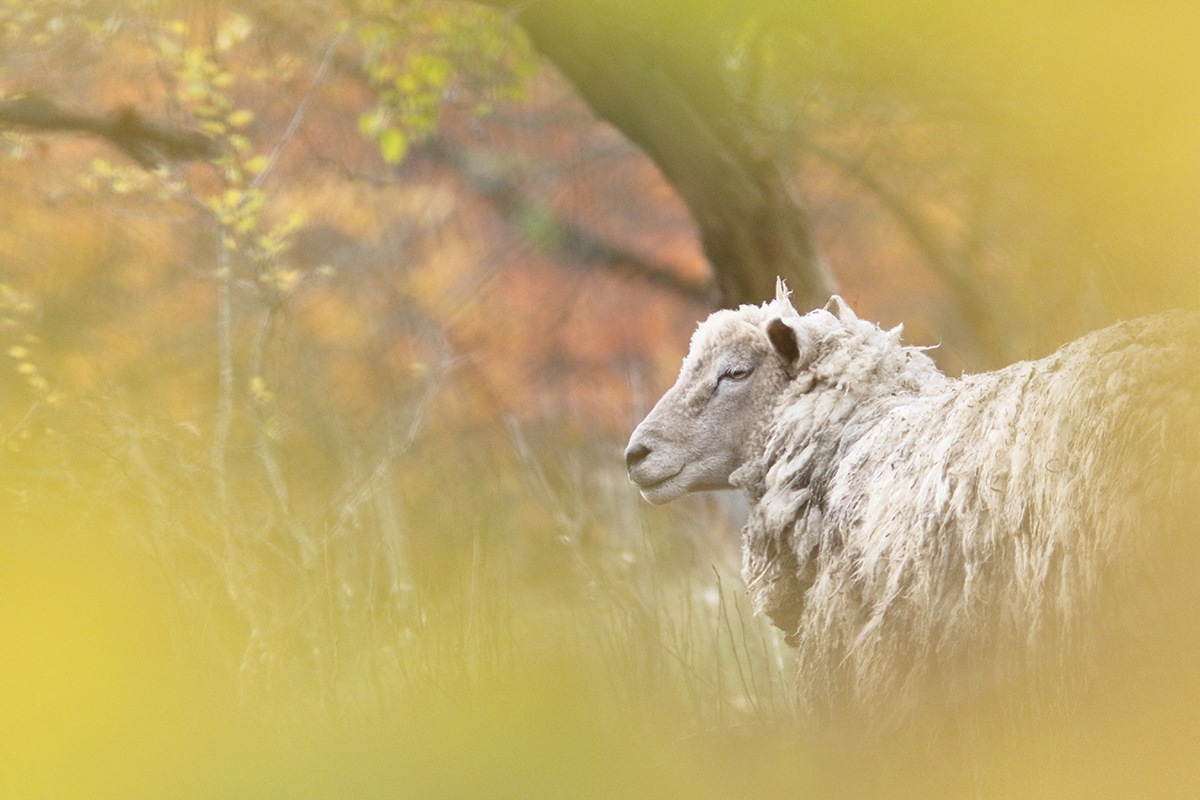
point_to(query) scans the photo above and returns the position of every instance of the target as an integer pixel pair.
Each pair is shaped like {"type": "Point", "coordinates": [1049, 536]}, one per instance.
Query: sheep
{"type": "Point", "coordinates": [916, 536]}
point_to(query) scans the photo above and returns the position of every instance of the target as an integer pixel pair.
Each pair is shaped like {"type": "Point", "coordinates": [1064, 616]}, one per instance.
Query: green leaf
{"type": "Point", "coordinates": [393, 144]}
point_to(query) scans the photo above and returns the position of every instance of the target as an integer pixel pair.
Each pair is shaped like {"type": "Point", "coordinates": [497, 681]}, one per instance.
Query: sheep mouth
{"type": "Point", "coordinates": [661, 490]}
{"type": "Point", "coordinates": [650, 485]}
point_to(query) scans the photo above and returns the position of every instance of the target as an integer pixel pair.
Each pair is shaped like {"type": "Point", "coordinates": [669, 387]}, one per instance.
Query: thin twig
{"type": "Point", "coordinates": [225, 374]}
{"type": "Point", "coordinates": [723, 613]}
{"type": "Point", "coordinates": [301, 109]}
{"type": "Point", "coordinates": [16, 429]}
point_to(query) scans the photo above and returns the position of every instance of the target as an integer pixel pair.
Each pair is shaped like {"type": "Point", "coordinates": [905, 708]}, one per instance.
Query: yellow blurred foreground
{"type": "Point", "coordinates": [101, 697]}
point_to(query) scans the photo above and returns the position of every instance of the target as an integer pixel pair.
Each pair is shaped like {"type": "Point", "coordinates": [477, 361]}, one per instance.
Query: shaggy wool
{"type": "Point", "coordinates": [914, 534]}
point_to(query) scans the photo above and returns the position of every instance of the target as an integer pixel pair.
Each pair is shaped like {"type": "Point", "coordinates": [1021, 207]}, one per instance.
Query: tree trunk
{"type": "Point", "coordinates": [677, 106]}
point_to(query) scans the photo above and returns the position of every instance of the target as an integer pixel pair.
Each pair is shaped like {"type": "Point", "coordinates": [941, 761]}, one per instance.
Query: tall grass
{"type": "Point", "coordinates": [426, 609]}
{"type": "Point", "coordinates": [506, 580]}
{"type": "Point", "coordinates": [344, 583]}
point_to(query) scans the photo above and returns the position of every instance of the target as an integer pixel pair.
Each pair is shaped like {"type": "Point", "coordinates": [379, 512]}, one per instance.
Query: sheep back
{"type": "Point", "coordinates": [916, 534]}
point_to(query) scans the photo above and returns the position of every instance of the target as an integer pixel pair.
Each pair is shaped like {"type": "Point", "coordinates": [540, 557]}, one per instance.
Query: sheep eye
{"type": "Point", "coordinates": [736, 374]}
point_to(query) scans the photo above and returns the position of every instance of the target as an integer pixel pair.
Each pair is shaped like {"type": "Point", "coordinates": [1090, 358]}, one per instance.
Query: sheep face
{"type": "Point", "coordinates": [714, 419]}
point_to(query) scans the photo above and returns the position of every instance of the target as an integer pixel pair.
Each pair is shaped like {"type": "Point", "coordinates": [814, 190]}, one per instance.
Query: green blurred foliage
{"type": "Point", "coordinates": [417, 55]}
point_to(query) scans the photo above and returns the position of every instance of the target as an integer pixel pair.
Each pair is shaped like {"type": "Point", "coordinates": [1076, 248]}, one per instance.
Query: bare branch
{"type": "Point", "coordinates": [966, 288]}
{"type": "Point", "coordinates": [506, 197]}
{"type": "Point", "coordinates": [148, 143]}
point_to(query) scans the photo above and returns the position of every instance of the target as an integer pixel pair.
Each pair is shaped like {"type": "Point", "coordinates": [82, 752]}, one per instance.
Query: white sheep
{"type": "Point", "coordinates": [919, 536]}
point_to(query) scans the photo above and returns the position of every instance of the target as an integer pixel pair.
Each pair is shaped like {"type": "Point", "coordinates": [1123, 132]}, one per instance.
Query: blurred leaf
{"type": "Point", "coordinates": [240, 118]}
{"type": "Point", "coordinates": [393, 144]}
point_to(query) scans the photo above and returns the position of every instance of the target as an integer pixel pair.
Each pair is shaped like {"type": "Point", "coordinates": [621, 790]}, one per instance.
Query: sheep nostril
{"type": "Point", "coordinates": [634, 454]}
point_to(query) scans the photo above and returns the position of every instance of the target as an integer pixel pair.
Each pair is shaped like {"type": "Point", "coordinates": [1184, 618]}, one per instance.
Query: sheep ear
{"type": "Point", "coordinates": [840, 309]}
{"type": "Point", "coordinates": [791, 345]}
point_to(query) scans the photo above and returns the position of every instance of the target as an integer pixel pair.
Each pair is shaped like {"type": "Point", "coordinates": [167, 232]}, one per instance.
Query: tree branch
{"type": "Point", "coordinates": [966, 288]}
{"type": "Point", "coordinates": [148, 143]}
{"type": "Point", "coordinates": [506, 197]}
{"type": "Point", "coordinates": [675, 103]}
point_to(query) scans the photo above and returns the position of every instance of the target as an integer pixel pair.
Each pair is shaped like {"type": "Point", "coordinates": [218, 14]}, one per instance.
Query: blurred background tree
{"type": "Point", "coordinates": [328, 321]}
{"type": "Point", "coordinates": [1016, 147]}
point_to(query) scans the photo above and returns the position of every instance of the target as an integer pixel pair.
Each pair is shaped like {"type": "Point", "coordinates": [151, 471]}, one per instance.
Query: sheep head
{"type": "Point", "coordinates": [714, 420]}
